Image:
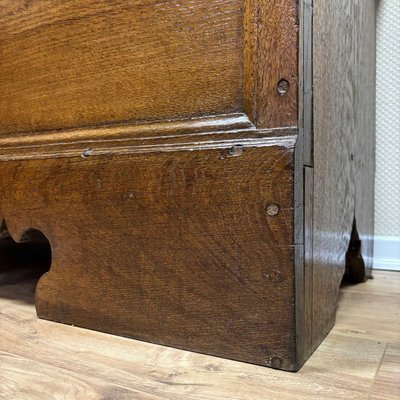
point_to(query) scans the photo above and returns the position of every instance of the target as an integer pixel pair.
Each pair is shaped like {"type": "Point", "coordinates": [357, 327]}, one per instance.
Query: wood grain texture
{"type": "Point", "coordinates": [80, 63]}
{"type": "Point", "coordinates": [303, 186]}
{"type": "Point", "coordinates": [172, 247]}
{"type": "Point", "coordinates": [44, 360]}
{"type": "Point", "coordinates": [308, 263]}
{"type": "Point", "coordinates": [146, 140]}
{"type": "Point", "coordinates": [89, 63]}
{"type": "Point", "coordinates": [374, 324]}
{"type": "Point", "coordinates": [43, 382]}
{"type": "Point", "coordinates": [365, 117]}
{"type": "Point", "coordinates": [271, 55]}
{"type": "Point", "coordinates": [193, 134]}
{"type": "Point", "coordinates": [387, 382]}
{"type": "Point", "coordinates": [139, 131]}
{"type": "Point", "coordinates": [343, 91]}
{"type": "Point", "coordinates": [306, 80]}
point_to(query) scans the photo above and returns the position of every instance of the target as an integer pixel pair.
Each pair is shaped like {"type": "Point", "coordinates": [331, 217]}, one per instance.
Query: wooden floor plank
{"type": "Point", "coordinates": [371, 310]}
{"type": "Point", "coordinates": [387, 382]}
{"type": "Point", "coordinates": [22, 378]}
{"type": "Point", "coordinates": [109, 367]}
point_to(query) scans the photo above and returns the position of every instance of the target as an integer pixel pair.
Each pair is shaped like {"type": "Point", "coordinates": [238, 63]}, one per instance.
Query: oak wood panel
{"type": "Point", "coordinates": [171, 247]}
{"type": "Point", "coordinates": [80, 63]}
{"type": "Point", "coordinates": [365, 117]}
{"type": "Point", "coordinates": [307, 292]}
{"type": "Point", "coordinates": [343, 58]}
{"type": "Point", "coordinates": [306, 79]}
{"type": "Point", "coordinates": [270, 56]}
{"type": "Point", "coordinates": [185, 106]}
{"type": "Point", "coordinates": [75, 64]}
{"type": "Point", "coordinates": [47, 355]}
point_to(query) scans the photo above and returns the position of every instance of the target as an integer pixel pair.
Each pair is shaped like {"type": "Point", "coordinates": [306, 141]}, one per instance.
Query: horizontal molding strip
{"type": "Point", "coordinates": [216, 132]}
{"type": "Point", "coordinates": [285, 141]}
{"type": "Point", "coordinates": [146, 130]}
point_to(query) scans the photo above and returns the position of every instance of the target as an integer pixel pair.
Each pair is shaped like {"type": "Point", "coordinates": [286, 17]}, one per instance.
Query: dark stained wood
{"type": "Point", "coordinates": [306, 81]}
{"type": "Point", "coordinates": [120, 139]}
{"type": "Point", "coordinates": [196, 166]}
{"type": "Point", "coordinates": [270, 56]}
{"type": "Point", "coordinates": [344, 65]}
{"type": "Point", "coordinates": [175, 248]}
{"type": "Point", "coordinates": [67, 64]}
{"type": "Point", "coordinates": [71, 65]}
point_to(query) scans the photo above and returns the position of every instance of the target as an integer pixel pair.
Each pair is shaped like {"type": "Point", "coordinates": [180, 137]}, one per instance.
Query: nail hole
{"type": "Point", "coordinates": [283, 87]}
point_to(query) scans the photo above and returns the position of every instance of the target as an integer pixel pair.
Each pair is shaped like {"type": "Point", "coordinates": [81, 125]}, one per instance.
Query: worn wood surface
{"type": "Point", "coordinates": [80, 64]}
{"type": "Point", "coordinates": [44, 360]}
{"type": "Point", "coordinates": [90, 62]}
{"type": "Point", "coordinates": [343, 103]}
{"type": "Point", "coordinates": [201, 134]}
{"type": "Point", "coordinates": [364, 125]}
{"type": "Point", "coordinates": [146, 140]}
{"type": "Point", "coordinates": [387, 382]}
{"type": "Point", "coordinates": [271, 53]}
{"type": "Point", "coordinates": [176, 247]}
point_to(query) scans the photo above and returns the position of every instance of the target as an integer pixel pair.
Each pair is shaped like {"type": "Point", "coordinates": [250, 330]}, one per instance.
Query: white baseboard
{"type": "Point", "coordinates": [387, 253]}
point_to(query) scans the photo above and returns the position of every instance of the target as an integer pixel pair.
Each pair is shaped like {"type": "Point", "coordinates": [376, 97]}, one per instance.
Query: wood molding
{"type": "Point", "coordinates": [180, 135]}
{"type": "Point", "coordinates": [144, 130]}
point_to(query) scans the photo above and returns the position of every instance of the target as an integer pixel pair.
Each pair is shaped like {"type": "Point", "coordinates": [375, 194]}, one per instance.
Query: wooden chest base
{"type": "Point", "coordinates": [191, 247]}
{"type": "Point", "coordinates": [191, 173]}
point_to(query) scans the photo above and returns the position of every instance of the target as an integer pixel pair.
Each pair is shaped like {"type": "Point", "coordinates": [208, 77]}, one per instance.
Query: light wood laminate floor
{"type": "Point", "coordinates": [43, 360]}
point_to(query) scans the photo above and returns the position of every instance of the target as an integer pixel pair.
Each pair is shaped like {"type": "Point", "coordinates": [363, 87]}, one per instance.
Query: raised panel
{"type": "Point", "coordinates": [76, 64]}
{"type": "Point", "coordinates": [79, 63]}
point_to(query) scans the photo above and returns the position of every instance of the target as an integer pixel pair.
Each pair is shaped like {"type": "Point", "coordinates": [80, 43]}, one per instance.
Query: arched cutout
{"type": "Point", "coordinates": [29, 259]}
{"type": "Point", "coordinates": [355, 267]}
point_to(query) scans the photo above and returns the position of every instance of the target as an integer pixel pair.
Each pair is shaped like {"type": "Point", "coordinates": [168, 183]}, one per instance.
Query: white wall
{"type": "Point", "coordinates": [387, 195]}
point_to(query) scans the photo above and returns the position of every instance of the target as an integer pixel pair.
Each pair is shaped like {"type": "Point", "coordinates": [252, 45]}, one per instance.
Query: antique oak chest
{"type": "Point", "coordinates": [199, 172]}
